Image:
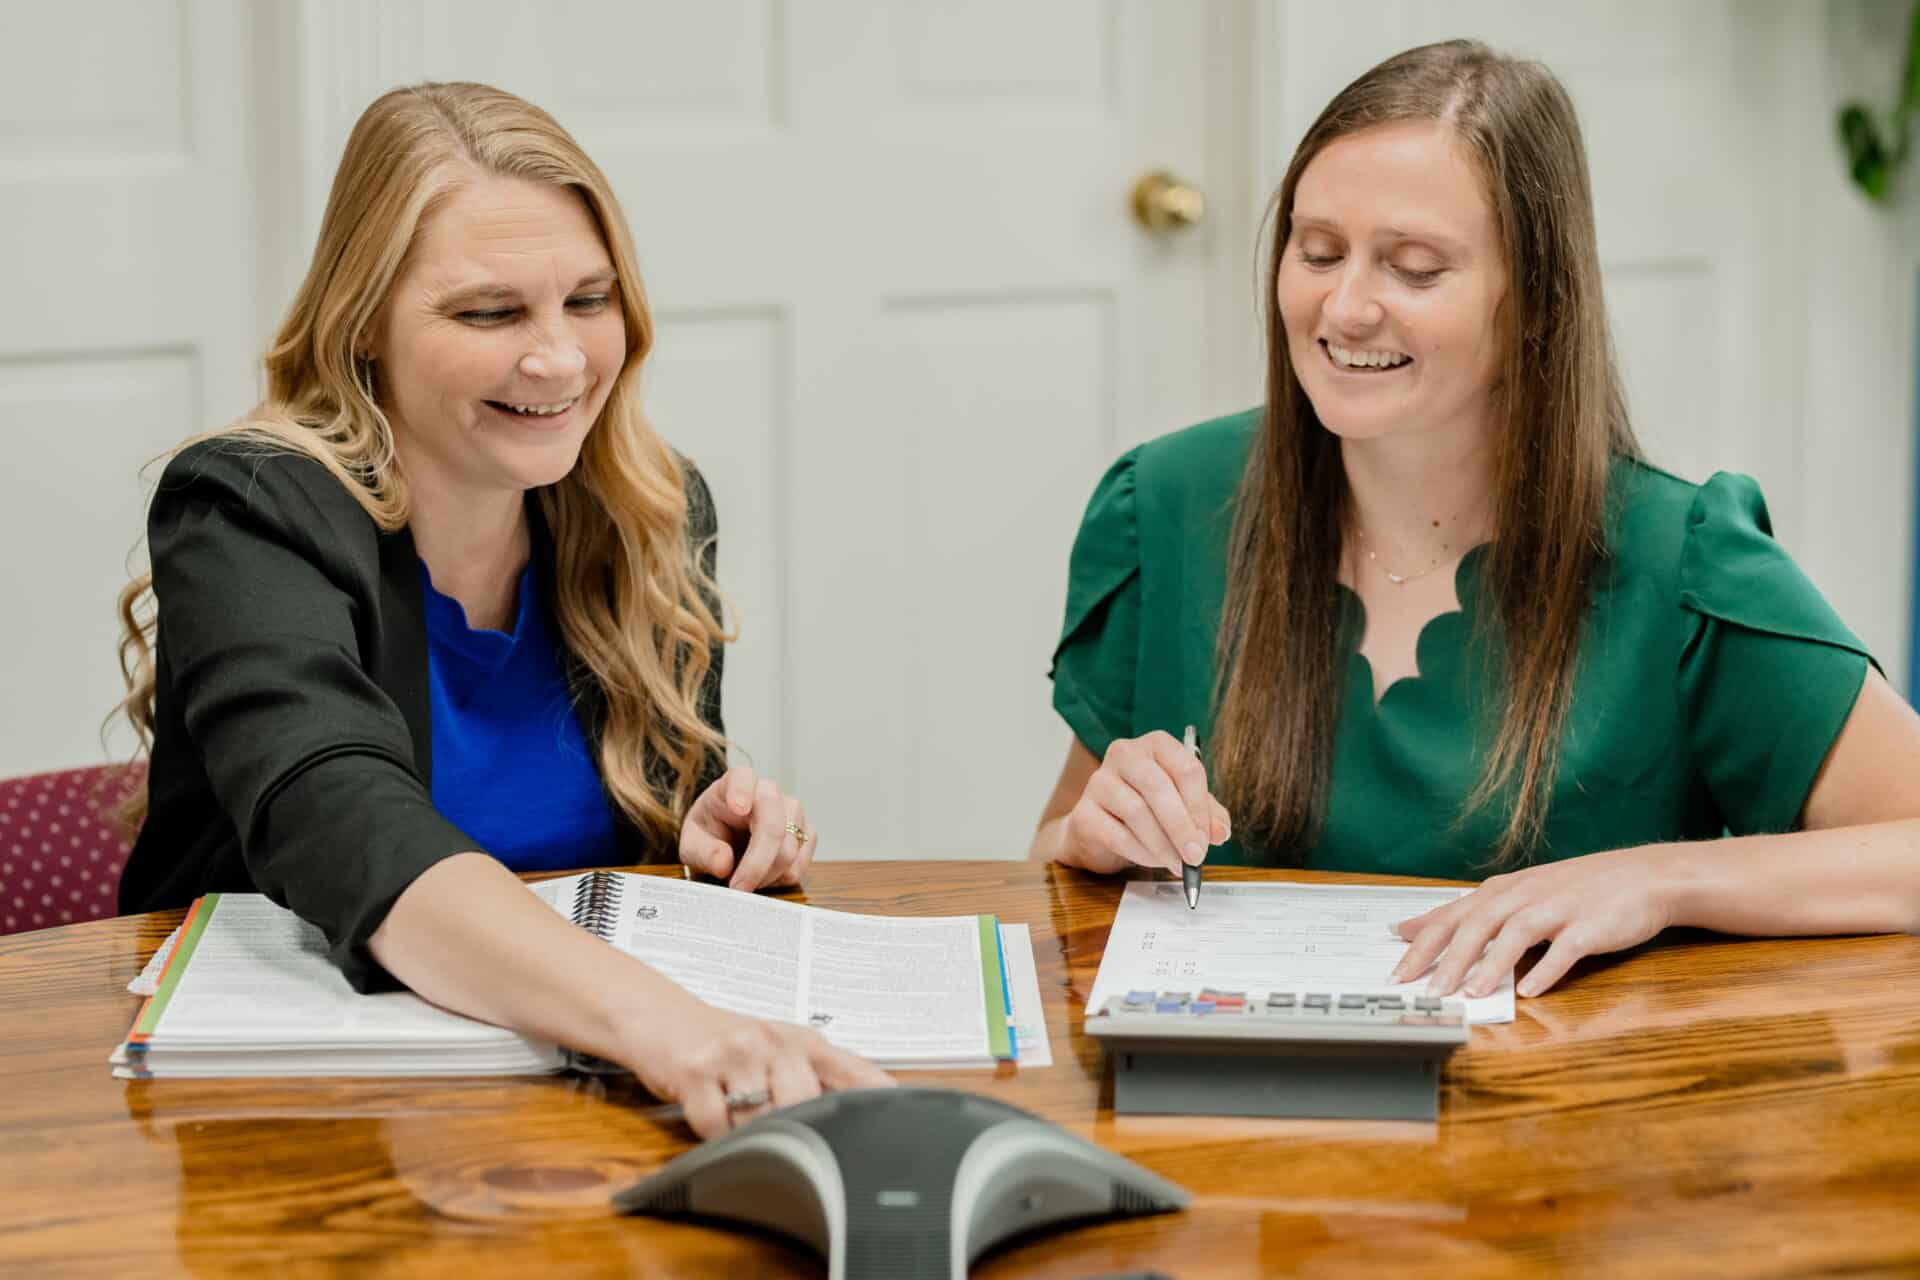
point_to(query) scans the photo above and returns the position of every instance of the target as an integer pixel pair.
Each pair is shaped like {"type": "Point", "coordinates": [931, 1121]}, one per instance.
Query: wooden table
{"type": "Point", "coordinates": [1699, 1106]}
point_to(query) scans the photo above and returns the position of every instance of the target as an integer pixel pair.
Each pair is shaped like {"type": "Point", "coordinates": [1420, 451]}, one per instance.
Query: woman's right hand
{"type": "Point", "coordinates": [697, 1055]}
{"type": "Point", "coordinates": [1146, 805]}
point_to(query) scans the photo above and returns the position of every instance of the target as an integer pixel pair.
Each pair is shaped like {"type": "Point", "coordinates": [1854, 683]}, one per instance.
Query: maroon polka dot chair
{"type": "Point", "coordinates": [60, 854]}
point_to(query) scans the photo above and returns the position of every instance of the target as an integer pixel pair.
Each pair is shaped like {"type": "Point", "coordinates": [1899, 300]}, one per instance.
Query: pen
{"type": "Point", "coordinates": [673, 1112]}
{"type": "Point", "coordinates": [1189, 872]}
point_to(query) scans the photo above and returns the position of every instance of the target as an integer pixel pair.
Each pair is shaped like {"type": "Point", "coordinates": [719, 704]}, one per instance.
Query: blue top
{"type": "Point", "coordinates": [511, 766]}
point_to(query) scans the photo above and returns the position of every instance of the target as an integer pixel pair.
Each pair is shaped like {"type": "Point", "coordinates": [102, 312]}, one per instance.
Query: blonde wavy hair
{"type": "Point", "coordinates": [632, 599]}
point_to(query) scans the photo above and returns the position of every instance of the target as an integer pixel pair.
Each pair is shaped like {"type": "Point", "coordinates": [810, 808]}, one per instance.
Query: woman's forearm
{"type": "Point", "coordinates": [468, 936]}
{"type": "Point", "coordinates": [1863, 879]}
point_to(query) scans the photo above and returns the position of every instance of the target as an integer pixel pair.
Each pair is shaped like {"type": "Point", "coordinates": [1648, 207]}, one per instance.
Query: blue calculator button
{"type": "Point", "coordinates": [1169, 1006]}
{"type": "Point", "coordinates": [1202, 1006]}
{"type": "Point", "coordinates": [1139, 997]}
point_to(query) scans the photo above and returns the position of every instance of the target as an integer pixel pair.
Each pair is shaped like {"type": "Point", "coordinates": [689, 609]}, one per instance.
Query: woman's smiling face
{"type": "Point", "coordinates": [501, 340]}
{"type": "Point", "coordinates": [1391, 284]}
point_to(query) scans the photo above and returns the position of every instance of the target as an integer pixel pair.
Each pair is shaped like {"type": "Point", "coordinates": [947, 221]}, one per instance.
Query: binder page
{"type": "Point", "coordinates": [259, 975]}
{"type": "Point", "coordinates": [895, 989]}
{"type": "Point", "coordinates": [899, 988]}
{"type": "Point", "coordinates": [735, 950]}
{"type": "Point", "coordinates": [1257, 938]}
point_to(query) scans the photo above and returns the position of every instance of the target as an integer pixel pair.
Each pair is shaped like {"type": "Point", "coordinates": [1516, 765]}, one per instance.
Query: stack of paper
{"type": "Point", "coordinates": [245, 988]}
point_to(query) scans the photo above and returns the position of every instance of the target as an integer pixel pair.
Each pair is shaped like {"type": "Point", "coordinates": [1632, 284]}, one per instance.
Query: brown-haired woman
{"type": "Point", "coordinates": [444, 591]}
{"type": "Point", "coordinates": [1433, 613]}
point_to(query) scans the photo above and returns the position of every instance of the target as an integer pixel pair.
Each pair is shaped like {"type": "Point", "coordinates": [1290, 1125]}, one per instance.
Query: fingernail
{"type": "Point", "coordinates": [1195, 851]}
{"type": "Point", "coordinates": [1525, 989]}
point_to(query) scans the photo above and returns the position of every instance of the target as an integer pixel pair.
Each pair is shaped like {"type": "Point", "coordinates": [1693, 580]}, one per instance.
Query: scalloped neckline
{"type": "Point", "coordinates": [1462, 573]}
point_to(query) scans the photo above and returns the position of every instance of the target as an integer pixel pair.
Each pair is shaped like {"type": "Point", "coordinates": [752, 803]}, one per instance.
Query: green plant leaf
{"type": "Point", "coordinates": [1867, 157]}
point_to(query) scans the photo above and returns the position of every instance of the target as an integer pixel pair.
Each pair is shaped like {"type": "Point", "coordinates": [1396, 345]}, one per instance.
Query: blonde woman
{"type": "Point", "coordinates": [1433, 613]}
{"type": "Point", "coordinates": [442, 608]}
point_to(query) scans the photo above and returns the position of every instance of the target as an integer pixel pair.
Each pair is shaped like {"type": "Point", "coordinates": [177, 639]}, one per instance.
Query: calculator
{"type": "Point", "coordinates": [1357, 1055]}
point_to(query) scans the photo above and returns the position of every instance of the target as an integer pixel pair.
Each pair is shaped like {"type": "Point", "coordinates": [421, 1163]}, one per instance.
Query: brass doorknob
{"type": "Point", "coordinates": [1161, 202]}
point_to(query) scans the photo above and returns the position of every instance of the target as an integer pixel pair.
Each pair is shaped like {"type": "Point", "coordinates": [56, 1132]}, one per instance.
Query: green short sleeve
{"type": "Point", "coordinates": [1094, 663]}
{"type": "Point", "coordinates": [1769, 673]}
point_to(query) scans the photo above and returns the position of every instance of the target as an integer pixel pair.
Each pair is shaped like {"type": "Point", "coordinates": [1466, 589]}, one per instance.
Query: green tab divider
{"type": "Point", "coordinates": [993, 980]}
{"type": "Point", "coordinates": [176, 966]}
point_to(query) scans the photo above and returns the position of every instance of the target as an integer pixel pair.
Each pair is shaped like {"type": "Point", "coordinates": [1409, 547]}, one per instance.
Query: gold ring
{"type": "Point", "coordinates": [797, 831]}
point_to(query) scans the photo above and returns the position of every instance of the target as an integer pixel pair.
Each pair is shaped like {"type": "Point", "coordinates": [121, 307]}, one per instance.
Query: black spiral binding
{"type": "Point", "coordinates": [596, 902]}
{"type": "Point", "coordinates": [596, 908]}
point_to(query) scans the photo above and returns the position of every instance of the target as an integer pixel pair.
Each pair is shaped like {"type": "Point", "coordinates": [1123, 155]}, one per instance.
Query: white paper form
{"type": "Point", "coordinates": [1025, 1013]}
{"type": "Point", "coordinates": [1257, 938]}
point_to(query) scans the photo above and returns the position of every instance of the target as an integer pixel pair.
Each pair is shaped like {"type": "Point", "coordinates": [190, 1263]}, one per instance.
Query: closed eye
{"type": "Point", "coordinates": [1319, 260]}
{"type": "Point", "coordinates": [1419, 279]}
{"type": "Point", "coordinates": [585, 304]}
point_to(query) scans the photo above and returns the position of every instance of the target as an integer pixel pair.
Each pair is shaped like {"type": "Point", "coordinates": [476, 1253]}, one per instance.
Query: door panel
{"type": "Point", "coordinates": [129, 324]}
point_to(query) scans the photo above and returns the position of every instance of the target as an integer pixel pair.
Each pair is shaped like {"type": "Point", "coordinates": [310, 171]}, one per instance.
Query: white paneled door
{"type": "Point", "coordinates": [906, 317]}
{"type": "Point", "coordinates": [126, 322]}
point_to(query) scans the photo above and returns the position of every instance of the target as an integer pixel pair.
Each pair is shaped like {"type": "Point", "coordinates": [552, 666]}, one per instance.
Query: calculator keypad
{"type": "Point", "coordinates": [1331, 1005]}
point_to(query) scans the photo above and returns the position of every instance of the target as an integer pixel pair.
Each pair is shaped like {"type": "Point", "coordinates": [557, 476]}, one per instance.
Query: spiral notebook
{"type": "Point", "coordinates": [248, 989]}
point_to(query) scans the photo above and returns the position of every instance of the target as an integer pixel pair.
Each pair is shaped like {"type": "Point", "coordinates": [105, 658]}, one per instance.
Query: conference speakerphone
{"type": "Point", "coordinates": [898, 1184]}
{"type": "Point", "coordinates": [1288, 1053]}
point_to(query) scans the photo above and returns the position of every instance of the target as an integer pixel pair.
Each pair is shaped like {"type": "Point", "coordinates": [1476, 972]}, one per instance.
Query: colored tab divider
{"type": "Point", "coordinates": [993, 981]}
{"type": "Point", "coordinates": [150, 1012]}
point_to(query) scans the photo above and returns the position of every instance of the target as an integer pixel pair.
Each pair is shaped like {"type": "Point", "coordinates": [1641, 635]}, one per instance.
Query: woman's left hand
{"type": "Point", "coordinates": [1581, 906]}
{"type": "Point", "coordinates": [744, 831]}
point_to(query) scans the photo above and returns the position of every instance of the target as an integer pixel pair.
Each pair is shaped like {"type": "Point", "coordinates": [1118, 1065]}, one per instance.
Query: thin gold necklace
{"type": "Point", "coordinates": [1399, 579]}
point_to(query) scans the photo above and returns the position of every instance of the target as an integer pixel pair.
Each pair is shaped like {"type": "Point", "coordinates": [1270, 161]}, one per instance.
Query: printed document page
{"type": "Point", "coordinates": [902, 988]}
{"type": "Point", "coordinates": [1266, 937]}
{"type": "Point", "coordinates": [260, 975]}
{"type": "Point", "coordinates": [733, 950]}
{"type": "Point", "coordinates": [898, 989]}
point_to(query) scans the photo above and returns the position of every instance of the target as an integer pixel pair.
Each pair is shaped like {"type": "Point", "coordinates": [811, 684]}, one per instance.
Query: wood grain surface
{"type": "Point", "coordinates": [1701, 1105]}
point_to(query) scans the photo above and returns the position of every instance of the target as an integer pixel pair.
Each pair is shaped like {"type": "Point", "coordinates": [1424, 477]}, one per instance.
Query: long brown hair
{"type": "Point", "coordinates": [631, 598]}
{"type": "Point", "coordinates": [1561, 419]}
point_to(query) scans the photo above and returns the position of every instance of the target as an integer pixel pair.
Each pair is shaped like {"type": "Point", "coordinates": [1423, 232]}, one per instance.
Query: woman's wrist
{"type": "Point", "coordinates": [1053, 843]}
{"type": "Point", "coordinates": [634, 1007]}
{"type": "Point", "coordinates": [1674, 881]}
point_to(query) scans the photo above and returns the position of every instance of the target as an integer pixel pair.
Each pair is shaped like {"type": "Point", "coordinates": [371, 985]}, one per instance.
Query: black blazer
{"type": "Point", "coordinates": [292, 749]}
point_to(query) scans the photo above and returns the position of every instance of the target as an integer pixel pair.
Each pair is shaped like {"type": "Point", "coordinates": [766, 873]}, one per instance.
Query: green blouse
{"type": "Point", "coordinates": [1713, 677]}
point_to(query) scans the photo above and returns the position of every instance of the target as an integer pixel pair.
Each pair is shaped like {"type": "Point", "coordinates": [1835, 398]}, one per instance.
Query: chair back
{"type": "Point", "coordinates": [61, 855]}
